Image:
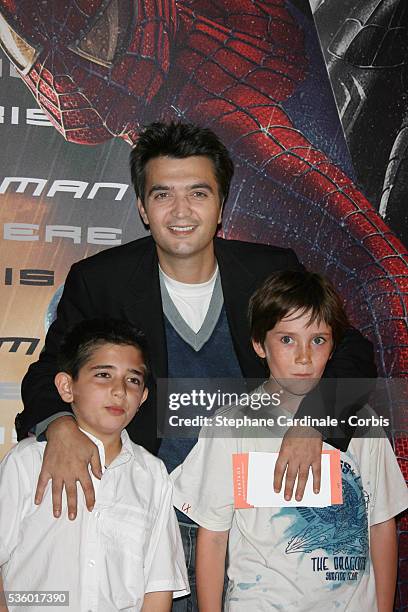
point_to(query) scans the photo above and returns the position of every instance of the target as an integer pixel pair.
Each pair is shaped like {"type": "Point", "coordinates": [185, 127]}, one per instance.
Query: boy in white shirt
{"type": "Point", "coordinates": [342, 557]}
{"type": "Point", "coordinates": [127, 553]}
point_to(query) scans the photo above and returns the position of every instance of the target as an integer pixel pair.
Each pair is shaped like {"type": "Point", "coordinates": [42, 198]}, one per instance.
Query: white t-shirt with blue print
{"type": "Point", "coordinates": [294, 559]}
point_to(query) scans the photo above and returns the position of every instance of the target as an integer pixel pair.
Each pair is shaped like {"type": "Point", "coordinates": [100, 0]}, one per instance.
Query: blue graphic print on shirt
{"type": "Point", "coordinates": [338, 535]}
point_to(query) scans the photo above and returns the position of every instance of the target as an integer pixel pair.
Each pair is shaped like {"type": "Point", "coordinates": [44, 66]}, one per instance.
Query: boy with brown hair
{"type": "Point", "coordinates": [294, 558]}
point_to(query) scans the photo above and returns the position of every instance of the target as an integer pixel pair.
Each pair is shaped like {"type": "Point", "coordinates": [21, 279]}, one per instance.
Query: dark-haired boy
{"type": "Point", "coordinates": [288, 558]}
{"type": "Point", "coordinates": [127, 553]}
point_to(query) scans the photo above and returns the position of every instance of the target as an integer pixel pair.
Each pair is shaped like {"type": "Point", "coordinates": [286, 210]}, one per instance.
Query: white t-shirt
{"type": "Point", "coordinates": [294, 559]}
{"type": "Point", "coordinates": [107, 559]}
{"type": "Point", "coordinates": [191, 300]}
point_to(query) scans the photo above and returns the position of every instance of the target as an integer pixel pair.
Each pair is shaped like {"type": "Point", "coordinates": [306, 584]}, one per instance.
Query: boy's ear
{"type": "Point", "coordinates": [63, 382]}
{"type": "Point", "coordinates": [142, 211]}
{"type": "Point", "coordinates": [259, 349]}
{"type": "Point", "coordinates": [144, 395]}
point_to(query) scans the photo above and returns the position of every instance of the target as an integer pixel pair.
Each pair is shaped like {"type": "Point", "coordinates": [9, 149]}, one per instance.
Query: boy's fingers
{"type": "Point", "coordinates": [280, 467]}
{"type": "Point", "coordinates": [71, 492]}
{"type": "Point", "coordinates": [88, 489]}
{"type": "Point", "coordinates": [56, 489]}
{"type": "Point", "coordinates": [41, 485]}
{"type": "Point", "coordinates": [290, 481]}
{"type": "Point", "coordinates": [317, 470]}
{"type": "Point", "coordinates": [96, 466]}
{"type": "Point", "coordinates": [302, 480]}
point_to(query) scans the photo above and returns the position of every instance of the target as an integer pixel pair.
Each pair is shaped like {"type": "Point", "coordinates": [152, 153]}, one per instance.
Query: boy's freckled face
{"type": "Point", "coordinates": [109, 389]}
{"type": "Point", "coordinates": [297, 351]}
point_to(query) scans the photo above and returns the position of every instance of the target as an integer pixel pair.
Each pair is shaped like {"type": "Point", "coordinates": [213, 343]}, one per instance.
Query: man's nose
{"type": "Point", "coordinates": [181, 206]}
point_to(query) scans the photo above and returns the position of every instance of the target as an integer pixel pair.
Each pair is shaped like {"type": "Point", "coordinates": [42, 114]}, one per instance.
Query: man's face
{"type": "Point", "coordinates": [182, 205]}
{"type": "Point", "coordinates": [109, 389]}
{"type": "Point", "coordinates": [297, 351]}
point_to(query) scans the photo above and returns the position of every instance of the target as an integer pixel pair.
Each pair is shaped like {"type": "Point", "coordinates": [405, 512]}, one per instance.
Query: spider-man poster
{"type": "Point", "coordinates": [251, 70]}
{"type": "Point", "coordinates": [365, 46]}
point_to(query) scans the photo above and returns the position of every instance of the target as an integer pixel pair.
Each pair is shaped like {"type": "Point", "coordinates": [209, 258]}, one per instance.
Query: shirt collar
{"type": "Point", "coordinates": [178, 286]}
{"type": "Point", "coordinates": [125, 454]}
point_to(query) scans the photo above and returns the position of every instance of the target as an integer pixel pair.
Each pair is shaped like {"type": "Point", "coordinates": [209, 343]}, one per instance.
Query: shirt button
{"type": "Point", "coordinates": [97, 514]}
{"type": "Point", "coordinates": [91, 563]}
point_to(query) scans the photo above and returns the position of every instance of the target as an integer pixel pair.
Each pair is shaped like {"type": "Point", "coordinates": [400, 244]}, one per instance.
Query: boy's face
{"type": "Point", "coordinates": [297, 351]}
{"type": "Point", "coordinates": [108, 391]}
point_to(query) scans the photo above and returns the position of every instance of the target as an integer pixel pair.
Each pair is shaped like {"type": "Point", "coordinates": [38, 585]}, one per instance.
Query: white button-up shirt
{"type": "Point", "coordinates": [107, 559]}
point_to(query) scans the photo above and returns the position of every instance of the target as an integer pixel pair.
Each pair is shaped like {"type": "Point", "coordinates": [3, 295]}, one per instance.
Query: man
{"type": "Point", "coordinates": [189, 293]}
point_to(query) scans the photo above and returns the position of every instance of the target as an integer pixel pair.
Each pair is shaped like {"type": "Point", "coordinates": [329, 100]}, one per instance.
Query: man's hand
{"type": "Point", "coordinates": [301, 449]}
{"type": "Point", "coordinates": [66, 458]}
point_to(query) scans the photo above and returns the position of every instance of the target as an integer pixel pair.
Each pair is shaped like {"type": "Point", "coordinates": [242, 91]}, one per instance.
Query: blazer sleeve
{"type": "Point", "coordinates": [347, 381]}
{"type": "Point", "coordinates": [40, 397]}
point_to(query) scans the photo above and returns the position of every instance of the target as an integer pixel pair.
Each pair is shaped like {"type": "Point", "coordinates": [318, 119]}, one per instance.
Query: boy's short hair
{"type": "Point", "coordinates": [290, 290]}
{"type": "Point", "coordinates": [84, 338]}
{"type": "Point", "coordinates": [180, 140]}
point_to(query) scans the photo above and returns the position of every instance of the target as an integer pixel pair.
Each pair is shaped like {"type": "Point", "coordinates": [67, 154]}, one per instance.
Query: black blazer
{"type": "Point", "coordinates": [123, 282]}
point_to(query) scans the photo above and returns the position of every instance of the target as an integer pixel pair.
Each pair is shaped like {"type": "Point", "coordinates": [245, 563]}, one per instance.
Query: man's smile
{"type": "Point", "coordinates": [182, 229]}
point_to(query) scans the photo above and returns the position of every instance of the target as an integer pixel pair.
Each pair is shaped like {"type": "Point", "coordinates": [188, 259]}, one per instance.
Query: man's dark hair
{"type": "Point", "coordinates": [83, 339]}
{"type": "Point", "coordinates": [290, 290]}
{"type": "Point", "coordinates": [180, 140]}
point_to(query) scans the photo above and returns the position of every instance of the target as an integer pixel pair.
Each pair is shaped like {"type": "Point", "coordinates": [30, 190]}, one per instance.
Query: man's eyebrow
{"type": "Point", "coordinates": [158, 188]}
{"type": "Point", "coordinates": [201, 186]}
{"type": "Point", "coordinates": [154, 188]}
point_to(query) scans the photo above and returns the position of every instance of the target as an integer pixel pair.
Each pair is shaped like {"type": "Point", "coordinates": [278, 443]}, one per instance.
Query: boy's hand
{"type": "Point", "coordinates": [301, 449]}
{"type": "Point", "coordinates": [66, 458]}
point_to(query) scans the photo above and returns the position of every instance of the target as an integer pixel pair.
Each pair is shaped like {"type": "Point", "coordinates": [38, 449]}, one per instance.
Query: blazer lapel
{"type": "Point", "coordinates": [143, 306]}
{"type": "Point", "coordinates": [238, 284]}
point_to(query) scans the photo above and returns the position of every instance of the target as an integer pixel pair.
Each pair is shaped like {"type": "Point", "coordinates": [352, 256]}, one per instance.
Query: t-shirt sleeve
{"type": "Point", "coordinates": [14, 491]}
{"type": "Point", "coordinates": [203, 484]}
{"type": "Point", "coordinates": [389, 493]}
{"type": "Point", "coordinates": [165, 565]}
